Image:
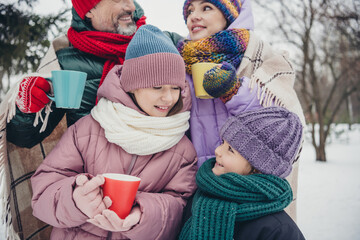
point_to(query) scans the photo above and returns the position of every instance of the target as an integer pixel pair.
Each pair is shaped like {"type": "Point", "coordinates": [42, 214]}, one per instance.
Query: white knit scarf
{"type": "Point", "coordinates": [137, 133]}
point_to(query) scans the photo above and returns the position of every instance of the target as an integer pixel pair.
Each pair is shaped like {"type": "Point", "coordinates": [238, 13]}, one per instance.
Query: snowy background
{"type": "Point", "coordinates": [328, 193]}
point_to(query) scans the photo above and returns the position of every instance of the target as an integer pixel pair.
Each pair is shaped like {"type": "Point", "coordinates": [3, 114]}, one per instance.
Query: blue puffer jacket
{"type": "Point", "coordinates": [21, 131]}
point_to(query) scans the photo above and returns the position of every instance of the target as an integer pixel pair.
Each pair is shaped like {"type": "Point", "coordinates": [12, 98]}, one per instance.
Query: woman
{"type": "Point", "coordinates": [252, 75]}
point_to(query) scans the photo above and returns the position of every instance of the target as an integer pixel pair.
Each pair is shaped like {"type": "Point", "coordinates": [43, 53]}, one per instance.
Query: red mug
{"type": "Point", "coordinates": [121, 189]}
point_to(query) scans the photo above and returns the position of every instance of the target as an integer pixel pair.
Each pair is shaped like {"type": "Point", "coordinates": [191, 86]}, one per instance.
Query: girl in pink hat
{"type": "Point", "coordinates": [137, 128]}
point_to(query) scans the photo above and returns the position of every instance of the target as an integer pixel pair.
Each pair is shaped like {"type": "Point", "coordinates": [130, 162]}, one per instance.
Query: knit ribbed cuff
{"type": "Point", "coordinates": [153, 70]}
{"type": "Point", "coordinates": [229, 94]}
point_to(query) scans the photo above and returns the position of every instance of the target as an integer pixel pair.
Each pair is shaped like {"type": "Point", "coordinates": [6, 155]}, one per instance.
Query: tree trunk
{"type": "Point", "coordinates": [320, 152]}
{"type": "Point", "coordinates": [1, 80]}
{"type": "Point", "coordinates": [320, 145]}
{"type": "Point", "coordinates": [350, 111]}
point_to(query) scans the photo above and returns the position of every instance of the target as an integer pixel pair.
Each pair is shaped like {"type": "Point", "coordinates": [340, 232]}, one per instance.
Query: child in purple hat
{"type": "Point", "coordinates": [242, 191]}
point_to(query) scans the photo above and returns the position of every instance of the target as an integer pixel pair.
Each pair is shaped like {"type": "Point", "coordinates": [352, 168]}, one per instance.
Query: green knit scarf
{"type": "Point", "coordinates": [222, 200]}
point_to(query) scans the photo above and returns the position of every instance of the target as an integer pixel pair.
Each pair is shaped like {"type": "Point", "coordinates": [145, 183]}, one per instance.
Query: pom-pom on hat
{"type": "Point", "coordinates": [230, 8]}
{"type": "Point", "coordinates": [151, 60]}
{"type": "Point", "coordinates": [268, 138]}
{"type": "Point", "coordinates": [84, 6]}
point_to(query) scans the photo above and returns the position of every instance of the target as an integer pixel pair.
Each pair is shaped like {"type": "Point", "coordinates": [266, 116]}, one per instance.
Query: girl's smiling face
{"type": "Point", "coordinates": [230, 160]}
{"type": "Point", "coordinates": [157, 101]}
{"type": "Point", "coordinates": [204, 19]}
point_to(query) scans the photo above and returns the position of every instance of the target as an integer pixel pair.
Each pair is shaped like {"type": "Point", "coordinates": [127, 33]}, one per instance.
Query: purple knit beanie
{"type": "Point", "coordinates": [230, 8]}
{"type": "Point", "coordinates": [151, 60]}
{"type": "Point", "coordinates": [269, 138]}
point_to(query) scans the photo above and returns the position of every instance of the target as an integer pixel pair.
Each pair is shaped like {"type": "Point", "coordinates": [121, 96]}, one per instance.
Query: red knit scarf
{"type": "Point", "coordinates": [111, 46]}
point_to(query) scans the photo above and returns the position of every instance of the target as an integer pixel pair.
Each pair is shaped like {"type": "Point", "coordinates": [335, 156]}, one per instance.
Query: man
{"type": "Point", "coordinates": [97, 40]}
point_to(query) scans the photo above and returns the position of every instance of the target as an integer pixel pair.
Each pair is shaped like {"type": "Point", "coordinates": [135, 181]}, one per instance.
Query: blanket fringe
{"type": "Point", "coordinates": [10, 107]}
{"type": "Point", "coordinates": [265, 96]}
{"type": "Point", "coordinates": [7, 231]}
{"type": "Point", "coordinates": [7, 112]}
{"type": "Point", "coordinates": [48, 110]}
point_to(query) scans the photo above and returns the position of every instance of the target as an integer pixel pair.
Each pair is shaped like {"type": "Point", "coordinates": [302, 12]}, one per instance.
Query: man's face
{"type": "Point", "coordinates": [115, 16]}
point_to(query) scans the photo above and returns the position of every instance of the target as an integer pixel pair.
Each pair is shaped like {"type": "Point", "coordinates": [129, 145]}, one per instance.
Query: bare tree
{"type": "Point", "coordinates": [325, 36]}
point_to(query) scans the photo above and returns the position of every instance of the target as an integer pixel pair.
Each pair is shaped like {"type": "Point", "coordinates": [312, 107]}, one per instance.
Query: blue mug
{"type": "Point", "coordinates": [68, 88]}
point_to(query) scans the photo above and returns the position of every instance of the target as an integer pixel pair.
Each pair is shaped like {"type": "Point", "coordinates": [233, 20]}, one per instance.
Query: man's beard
{"type": "Point", "coordinates": [128, 31]}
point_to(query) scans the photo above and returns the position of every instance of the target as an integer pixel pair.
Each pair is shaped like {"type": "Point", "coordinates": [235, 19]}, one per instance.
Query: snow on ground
{"type": "Point", "coordinates": [329, 193]}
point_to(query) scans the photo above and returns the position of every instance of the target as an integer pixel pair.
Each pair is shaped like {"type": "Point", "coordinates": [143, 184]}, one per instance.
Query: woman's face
{"type": "Point", "coordinates": [157, 101]}
{"type": "Point", "coordinates": [204, 19]}
{"type": "Point", "coordinates": [230, 160]}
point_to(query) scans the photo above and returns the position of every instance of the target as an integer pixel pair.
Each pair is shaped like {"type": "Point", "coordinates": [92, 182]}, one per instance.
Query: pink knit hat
{"type": "Point", "coordinates": [151, 60]}
{"type": "Point", "coordinates": [84, 6]}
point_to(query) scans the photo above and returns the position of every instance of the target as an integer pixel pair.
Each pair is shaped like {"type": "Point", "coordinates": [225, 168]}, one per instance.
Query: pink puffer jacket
{"type": "Point", "coordinates": [167, 179]}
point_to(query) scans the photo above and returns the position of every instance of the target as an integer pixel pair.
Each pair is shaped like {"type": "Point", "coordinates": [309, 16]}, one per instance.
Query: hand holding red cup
{"type": "Point", "coordinates": [121, 189]}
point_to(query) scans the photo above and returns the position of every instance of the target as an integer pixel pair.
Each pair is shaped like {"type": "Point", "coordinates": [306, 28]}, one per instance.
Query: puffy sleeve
{"type": "Point", "coordinates": [21, 132]}
{"type": "Point", "coordinates": [53, 184]}
{"type": "Point", "coordinates": [246, 99]}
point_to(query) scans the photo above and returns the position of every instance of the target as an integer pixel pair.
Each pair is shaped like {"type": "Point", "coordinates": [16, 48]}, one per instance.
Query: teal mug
{"type": "Point", "coordinates": [68, 88]}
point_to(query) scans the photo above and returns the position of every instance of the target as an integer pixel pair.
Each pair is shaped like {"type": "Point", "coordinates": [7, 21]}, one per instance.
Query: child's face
{"type": "Point", "coordinates": [204, 20]}
{"type": "Point", "coordinates": [230, 160]}
{"type": "Point", "coordinates": [157, 101]}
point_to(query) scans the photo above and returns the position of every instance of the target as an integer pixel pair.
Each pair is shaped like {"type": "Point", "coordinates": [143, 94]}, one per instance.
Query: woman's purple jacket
{"type": "Point", "coordinates": [208, 115]}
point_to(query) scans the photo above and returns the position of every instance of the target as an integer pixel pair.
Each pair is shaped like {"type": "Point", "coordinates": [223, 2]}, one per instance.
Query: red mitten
{"type": "Point", "coordinates": [32, 94]}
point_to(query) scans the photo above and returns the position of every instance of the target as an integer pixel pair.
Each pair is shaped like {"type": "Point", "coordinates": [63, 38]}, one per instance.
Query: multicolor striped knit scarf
{"type": "Point", "coordinates": [222, 200]}
{"type": "Point", "coordinates": [224, 46]}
